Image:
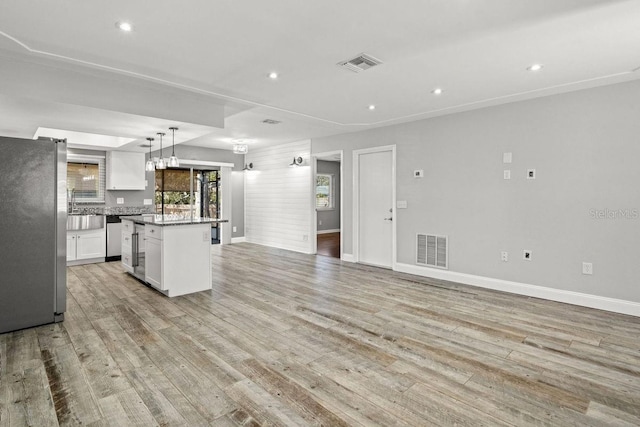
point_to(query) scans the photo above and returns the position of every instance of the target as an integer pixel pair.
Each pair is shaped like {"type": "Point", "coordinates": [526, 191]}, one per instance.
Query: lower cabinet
{"type": "Point", "coordinates": [71, 247]}
{"type": "Point", "coordinates": [153, 267]}
{"type": "Point", "coordinates": [86, 245]}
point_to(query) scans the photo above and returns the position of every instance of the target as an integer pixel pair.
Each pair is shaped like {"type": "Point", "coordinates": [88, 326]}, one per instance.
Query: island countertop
{"type": "Point", "coordinates": [167, 220]}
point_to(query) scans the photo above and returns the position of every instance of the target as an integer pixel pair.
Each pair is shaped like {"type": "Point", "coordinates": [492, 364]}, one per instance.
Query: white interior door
{"type": "Point", "coordinates": [375, 207]}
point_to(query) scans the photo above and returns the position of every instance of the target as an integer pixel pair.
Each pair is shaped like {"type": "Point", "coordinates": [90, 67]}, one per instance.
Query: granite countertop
{"type": "Point", "coordinates": [164, 220]}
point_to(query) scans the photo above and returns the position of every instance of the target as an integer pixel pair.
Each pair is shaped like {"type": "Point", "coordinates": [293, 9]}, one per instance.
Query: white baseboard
{"type": "Point", "coordinates": [348, 258]}
{"type": "Point", "coordinates": [238, 239]}
{"type": "Point", "coordinates": [328, 231]}
{"type": "Point", "coordinates": [559, 295]}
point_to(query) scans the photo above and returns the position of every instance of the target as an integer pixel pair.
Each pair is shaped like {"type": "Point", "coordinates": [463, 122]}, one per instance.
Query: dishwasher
{"type": "Point", "coordinates": [114, 238]}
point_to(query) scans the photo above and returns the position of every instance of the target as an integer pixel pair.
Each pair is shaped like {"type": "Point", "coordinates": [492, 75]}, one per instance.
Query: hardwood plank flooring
{"type": "Point", "coordinates": [292, 339]}
{"type": "Point", "coordinates": [329, 244]}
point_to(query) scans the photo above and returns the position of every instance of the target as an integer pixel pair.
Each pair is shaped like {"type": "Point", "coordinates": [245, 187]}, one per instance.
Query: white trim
{"type": "Point", "coordinates": [225, 205]}
{"type": "Point", "coordinates": [335, 230]}
{"type": "Point", "coordinates": [558, 295]}
{"type": "Point", "coordinates": [347, 258]}
{"type": "Point", "coordinates": [356, 194]}
{"type": "Point", "coordinates": [188, 162]}
{"type": "Point", "coordinates": [280, 247]}
{"type": "Point", "coordinates": [238, 239]}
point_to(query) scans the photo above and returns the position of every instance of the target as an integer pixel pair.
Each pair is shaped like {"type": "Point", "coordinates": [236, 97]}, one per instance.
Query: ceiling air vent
{"type": "Point", "coordinates": [360, 63]}
{"type": "Point", "coordinates": [271, 121]}
{"type": "Point", "coordinates": [432, 251]}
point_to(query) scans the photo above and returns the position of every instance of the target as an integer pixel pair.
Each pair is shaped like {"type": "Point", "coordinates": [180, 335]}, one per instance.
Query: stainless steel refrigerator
{"type": "Point", "coordinates": [33, 222]}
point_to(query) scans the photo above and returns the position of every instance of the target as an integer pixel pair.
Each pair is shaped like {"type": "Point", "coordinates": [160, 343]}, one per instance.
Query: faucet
{"type": "Point", "coordinates": [72, 201]}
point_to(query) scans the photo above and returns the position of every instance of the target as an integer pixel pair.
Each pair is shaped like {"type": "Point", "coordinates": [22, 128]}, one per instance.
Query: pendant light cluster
{"type": "Point", "coordinates": [161, 163]}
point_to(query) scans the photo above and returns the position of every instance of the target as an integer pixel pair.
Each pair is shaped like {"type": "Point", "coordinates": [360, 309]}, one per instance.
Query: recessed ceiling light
{"type": "Point", "coordinates": [273, 75]}
{"type": "Point", "coordinates": [372, 107]}
{"type": "Point", "coordinates": [437, 91]}
{"type": "Point", "coordinates": [535, 67]}
{"type": "Point", "coordinates": [124, 26]}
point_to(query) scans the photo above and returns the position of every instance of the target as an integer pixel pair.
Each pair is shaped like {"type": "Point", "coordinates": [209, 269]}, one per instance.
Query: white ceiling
{"type": "Point", "coordinates": [477, 51]}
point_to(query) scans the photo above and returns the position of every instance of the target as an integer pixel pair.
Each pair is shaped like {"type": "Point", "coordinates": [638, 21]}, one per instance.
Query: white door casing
{"type": "Point", "coordinates": [374, 200]}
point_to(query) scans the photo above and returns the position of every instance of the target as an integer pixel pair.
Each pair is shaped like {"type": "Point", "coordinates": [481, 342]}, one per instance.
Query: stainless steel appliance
{"type": "Point", "coordinates": [33, 235]}
{"type": "Point", "coordinates": [138, 250]}
{"type": "Point", "coordinates": [114, 238]}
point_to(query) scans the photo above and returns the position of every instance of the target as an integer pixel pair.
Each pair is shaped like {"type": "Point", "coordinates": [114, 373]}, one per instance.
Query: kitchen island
{"type": "Point", "coordinates": [171, 255]}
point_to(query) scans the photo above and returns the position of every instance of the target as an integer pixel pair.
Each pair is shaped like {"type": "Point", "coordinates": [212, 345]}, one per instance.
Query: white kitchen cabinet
{"type": "Point", "coordinates": [71, 246]}
{"type": "Point", "coordinates": [125, 171]}
{"type": "Point", "coordinates": [153, 267]}
{"type": "Point", "coordinates": [126, 241]}
{"type": "Point", "coordinates": [85, 245]}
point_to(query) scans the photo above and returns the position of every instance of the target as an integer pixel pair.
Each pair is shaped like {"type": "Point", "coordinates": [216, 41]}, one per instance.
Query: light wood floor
{"type": "Point", "coordinates": [292, 339]}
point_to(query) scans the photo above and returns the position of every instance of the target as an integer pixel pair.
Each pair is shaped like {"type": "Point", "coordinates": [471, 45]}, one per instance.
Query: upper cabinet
{"type": "Point", "coordinates": [125, 170]}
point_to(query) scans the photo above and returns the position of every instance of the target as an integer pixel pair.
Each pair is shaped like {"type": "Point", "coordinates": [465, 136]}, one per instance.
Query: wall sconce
{"type": "Point", "coordinates": [247, 166]}
{"type": "Point", "coordinates": [297, 161]}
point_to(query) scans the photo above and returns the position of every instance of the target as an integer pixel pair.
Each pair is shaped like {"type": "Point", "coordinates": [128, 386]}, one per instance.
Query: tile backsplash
{"type": "Point", "coordinates": [114, 210]}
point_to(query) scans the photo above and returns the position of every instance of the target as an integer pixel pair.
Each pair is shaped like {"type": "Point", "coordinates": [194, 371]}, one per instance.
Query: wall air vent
{"type": "Point", "coordinates": [360, 63]}
{"type": "Point", "coordinates": [432, 251]}
{"type": "Point", "coordinates": [271, 121]}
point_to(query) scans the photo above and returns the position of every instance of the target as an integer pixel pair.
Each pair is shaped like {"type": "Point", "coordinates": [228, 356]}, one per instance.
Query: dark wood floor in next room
{"type": "Point", "coordinates": [329, 244]}
{"type": "Point", "coordinates": [292, 339]}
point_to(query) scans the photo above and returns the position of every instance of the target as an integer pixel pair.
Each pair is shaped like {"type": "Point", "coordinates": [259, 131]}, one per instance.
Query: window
{"type": "Point", "coordinates": [86, 178]}
{"type": "Point", "coordinates": [324, 191]}
{"type": "Point", "coordinates": [173, 192]}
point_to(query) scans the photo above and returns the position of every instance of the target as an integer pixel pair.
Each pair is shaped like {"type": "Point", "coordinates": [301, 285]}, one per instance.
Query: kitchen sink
{"type": "Point", "coordinates": [85, 222]}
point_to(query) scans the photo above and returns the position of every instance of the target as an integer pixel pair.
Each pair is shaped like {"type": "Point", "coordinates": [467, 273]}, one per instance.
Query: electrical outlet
{"type": "Point", "coordinates": [206, 237]}
{"type": "Point", "coordinates": [526, 255]}
{"type": "Point", "coordinates": [531, 174]}
{"type": "Point", "coordinates": [235, 229]}
{"type": "Point", "coordinates": [120, 201]}
{"type": "Point", "coordinates": [319, 222]}
{"type": "Point", "coordinates": [504, 256]}
{"type": "Point", "coordinates": [587, 268]}
{"type": "Point", "coordinates": [507, 157]}
{"type": "Point", "coordinates": [305, 237]}
{"type": "Point", "coordinates": [506, 174]}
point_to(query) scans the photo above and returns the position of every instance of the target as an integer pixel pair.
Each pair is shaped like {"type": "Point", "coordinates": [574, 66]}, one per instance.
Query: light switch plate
{"type": "Point", "coordinates": [418, 173]}
{"type": "Point", "coordinates": [507, 174]}
{"type": "Point", "coordinates": [401, 204]}
{"type": "Point", "coordinates": [148, 202]}
{"type": "Point", "coordinates": [507, 157]}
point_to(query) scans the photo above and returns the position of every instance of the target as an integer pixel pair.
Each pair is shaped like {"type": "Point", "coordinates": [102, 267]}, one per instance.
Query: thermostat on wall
{"type": "Point", "coordinates": [419, 173]}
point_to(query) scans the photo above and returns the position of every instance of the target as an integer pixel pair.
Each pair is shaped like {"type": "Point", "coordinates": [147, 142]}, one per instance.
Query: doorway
{"type": "Point", "coordinates": [374, 201]}
{"type": "Point", "coordinates": [327, 203]}
{"type": "Point", "coordinates": [189, 193]}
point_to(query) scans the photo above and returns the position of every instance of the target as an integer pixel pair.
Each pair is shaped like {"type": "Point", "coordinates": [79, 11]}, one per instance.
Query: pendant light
{"type": "Point", "coordinates": [150, 165]}
{"type": "Point", "coordinates": [173, 160]}
{"type": "Point", "coordinates": [161, 163]}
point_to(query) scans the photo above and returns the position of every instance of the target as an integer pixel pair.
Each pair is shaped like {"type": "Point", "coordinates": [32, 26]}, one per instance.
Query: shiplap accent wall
{"type": "Point", "coordinates": [277, 197]}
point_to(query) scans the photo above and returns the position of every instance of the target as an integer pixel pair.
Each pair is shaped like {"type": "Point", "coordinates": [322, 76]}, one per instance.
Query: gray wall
{"type": "Point", "coordinates": [330, 218]}
{"type": "Point", "coordinates": [131, 198]}
{"type": "Point", "coordinates": [136, 198]}
{"type": "Point", "coordinates": [584, 147]}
